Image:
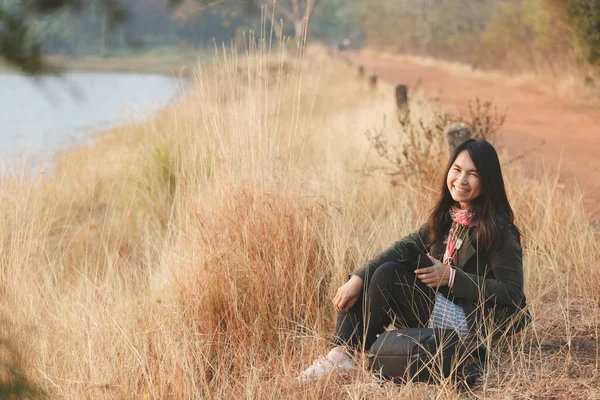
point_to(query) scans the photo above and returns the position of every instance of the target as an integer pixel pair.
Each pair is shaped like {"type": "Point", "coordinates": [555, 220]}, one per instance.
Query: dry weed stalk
{"type": "Point", "coordinates": [419, 150]}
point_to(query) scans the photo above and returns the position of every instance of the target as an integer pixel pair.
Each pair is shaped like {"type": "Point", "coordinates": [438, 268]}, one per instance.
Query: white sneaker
{"type": "Point", "coordinates": [324, 366]}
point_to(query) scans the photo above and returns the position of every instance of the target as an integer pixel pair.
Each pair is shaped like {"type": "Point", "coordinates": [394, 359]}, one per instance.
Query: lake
{"type": "Point", "coordinates": [39, 117]}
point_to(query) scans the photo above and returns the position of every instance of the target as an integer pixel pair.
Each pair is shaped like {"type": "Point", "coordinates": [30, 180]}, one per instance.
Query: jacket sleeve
{"type": "Point", "coordinates": [506, 263]}
{"type": "Point", "coordinates": [412, 248]}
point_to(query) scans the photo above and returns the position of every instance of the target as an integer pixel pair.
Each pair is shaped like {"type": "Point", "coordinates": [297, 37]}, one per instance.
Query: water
{"type": "Point", "coordinates": [41, 117]}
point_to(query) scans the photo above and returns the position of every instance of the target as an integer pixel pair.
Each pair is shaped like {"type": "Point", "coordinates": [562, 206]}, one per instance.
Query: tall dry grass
{"type": "Point", "coordinates": [196, 255]}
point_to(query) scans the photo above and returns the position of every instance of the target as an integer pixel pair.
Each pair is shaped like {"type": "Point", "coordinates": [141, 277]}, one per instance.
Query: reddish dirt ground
{"type": "Point", "coordinates": [543, 129]}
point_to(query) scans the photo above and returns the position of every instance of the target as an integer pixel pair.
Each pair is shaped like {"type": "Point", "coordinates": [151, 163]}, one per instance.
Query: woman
{"type": "Point", "coordinates": [461, 270]}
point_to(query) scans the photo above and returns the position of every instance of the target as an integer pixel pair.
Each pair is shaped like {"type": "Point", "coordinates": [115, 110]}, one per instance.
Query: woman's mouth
{"type": "Point", "coordinates": [461, 191]}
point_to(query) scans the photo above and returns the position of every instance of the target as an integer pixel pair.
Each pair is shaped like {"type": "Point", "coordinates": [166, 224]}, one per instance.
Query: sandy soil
{"type": "Point", "coordinates": [547, 132]}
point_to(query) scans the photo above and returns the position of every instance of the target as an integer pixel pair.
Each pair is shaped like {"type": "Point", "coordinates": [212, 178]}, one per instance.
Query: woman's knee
{"type": "Point", "coordinates": [387, 273]}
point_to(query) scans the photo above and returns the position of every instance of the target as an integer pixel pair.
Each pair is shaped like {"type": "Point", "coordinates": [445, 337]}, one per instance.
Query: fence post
{"type": "Point", "coordinates": [457, 133]}
{"type": "Point", "coordinates": [361, 71]}
{"type": "Point", "coordinates": [373, 81]}
{"type": "Point", "coordinates": [402, 98]}
{"type": "Point", "coordinates": [589, 82]}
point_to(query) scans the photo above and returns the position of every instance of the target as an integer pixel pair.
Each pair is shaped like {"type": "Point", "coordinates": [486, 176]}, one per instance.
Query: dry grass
{"type": "Point", "coordinates": [195, 255]}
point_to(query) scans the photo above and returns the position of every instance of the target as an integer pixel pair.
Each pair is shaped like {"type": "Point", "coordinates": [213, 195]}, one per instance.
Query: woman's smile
{"type": "Point", "coordinates": [459, 190]}
{"type": "Point", "coordinates": [463, 180]}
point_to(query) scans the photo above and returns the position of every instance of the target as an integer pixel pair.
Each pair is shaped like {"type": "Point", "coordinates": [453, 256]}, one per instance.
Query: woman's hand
{"type": "Point", "coordinates": [435, 276]}
{"type": "Point", "coordinates": [348, 293]}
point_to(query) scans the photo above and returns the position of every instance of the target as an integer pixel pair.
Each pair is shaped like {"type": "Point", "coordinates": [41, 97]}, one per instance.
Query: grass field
{"type": "Point", "coordinates": [196, 255]}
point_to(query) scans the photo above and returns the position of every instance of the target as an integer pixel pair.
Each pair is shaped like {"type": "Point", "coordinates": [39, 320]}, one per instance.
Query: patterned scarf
{"type": "Point", "coordinates": [461, 221]}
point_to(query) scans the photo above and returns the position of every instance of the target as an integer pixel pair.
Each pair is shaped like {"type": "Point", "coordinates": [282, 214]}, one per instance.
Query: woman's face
{"type": "Point", "coordinates": [463, 180]}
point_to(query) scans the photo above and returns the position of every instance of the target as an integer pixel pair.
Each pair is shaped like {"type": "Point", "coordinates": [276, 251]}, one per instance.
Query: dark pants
{"type": "Point", "coordinates": [392, 294]}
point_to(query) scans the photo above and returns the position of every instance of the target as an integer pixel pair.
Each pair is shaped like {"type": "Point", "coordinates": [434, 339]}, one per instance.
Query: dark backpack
{"type": "Point", "coordinates": [425, 355]}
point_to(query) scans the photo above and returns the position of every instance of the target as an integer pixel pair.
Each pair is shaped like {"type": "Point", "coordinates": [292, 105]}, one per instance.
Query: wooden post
{"type": "Point", "coordinates": [589, 82]}
{"type": "Point", "coordinates": [373, 81]}
{"type": "Point", "coordinates": [402, 97]}
{"type": "Point", "coordinates": [361, 71]}
{"type": "Point", "coordinates": [457, 133]}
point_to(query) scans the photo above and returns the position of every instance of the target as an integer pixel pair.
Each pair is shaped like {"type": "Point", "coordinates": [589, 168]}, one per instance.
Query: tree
{"type": "Point", "coordinates": [584, 16]}
{"type": "Point", "coordinates": [29, 28]}
{"type": "Point", "coordinates": [18, 48]}
{"type": "Point", "coordinates": [202, 26]}
{"type": "Point", "coordinates": [335, 20]}
{"type": "Point", "coordinates": [298, 12]}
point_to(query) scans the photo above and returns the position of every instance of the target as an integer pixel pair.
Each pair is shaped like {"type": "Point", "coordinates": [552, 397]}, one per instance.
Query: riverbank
{"type": "Point", "coordinates": [164, 61]}
{"type": "Point", "coordinates": [72, 108]}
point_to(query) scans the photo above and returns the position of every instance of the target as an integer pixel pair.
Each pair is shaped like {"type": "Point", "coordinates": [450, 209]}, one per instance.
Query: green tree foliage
{"type": "Point", "coordinates": [526, 32]}
{"type": "Point", "coordinates": [201, 26]}
{"type": "Point", "coordinates": [335, 20]}
{"type": "Point", "coordinates": [424, 25]}
{"type": "Point", "coordinates": [19, 45]}
{"type": "Point", "coordinates": [512, 34]}
{"type": "Point", "coordinates": [31, 29]}
{"type": "Point", "coordinates": [584, 16]}
{"type": "Point", "coordinates": [55, 32]}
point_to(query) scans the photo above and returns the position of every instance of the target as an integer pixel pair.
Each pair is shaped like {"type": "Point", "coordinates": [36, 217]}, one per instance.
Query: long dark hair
{"type": "Point", "coordinates": [492, 208]}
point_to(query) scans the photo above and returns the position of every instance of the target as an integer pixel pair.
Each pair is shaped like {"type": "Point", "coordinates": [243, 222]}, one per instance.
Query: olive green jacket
{"type": "Point", "coordinates": [489, 287]}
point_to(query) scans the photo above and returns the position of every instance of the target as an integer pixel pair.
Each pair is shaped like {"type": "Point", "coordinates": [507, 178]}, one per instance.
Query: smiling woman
{"type": "Point", "coordinates": [463, 180]}
{"type": "Point", "coordinates": [462, 270]}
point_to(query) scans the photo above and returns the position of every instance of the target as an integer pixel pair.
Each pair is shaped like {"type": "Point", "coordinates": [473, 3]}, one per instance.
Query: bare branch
{"type": "Point", "coordinates": [281, 9]}
{"type": "Point", "coordinates": [296, 9]}
{"type": "Point", "coordinates": [310, 7]}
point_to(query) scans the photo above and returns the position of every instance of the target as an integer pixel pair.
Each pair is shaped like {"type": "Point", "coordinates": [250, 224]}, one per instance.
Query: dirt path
{"type": "Point", "coordinates": [547, 131]}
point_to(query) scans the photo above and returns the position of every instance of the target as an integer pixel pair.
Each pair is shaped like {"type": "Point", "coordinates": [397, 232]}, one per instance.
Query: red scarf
{"type": "Point", "coordinates": [461, 221]}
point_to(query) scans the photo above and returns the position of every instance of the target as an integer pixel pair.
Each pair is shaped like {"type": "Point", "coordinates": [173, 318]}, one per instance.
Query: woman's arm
{"type": "Point", "coordinates": [507, 264]}
{"type": "Point", "coordinates": [410, 248]}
